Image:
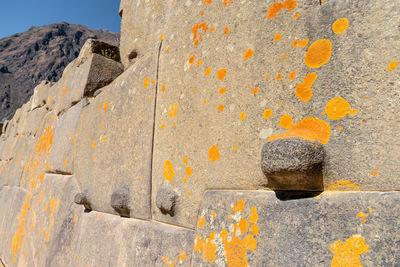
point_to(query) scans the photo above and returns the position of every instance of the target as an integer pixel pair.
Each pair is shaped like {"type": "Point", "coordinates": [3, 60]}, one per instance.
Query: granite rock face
{"type": "Point", "coordinates": [232, 133]}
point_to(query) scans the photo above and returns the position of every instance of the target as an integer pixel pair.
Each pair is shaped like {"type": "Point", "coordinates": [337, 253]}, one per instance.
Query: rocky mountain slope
{"type": "Point", "coordinates": [41, 53]}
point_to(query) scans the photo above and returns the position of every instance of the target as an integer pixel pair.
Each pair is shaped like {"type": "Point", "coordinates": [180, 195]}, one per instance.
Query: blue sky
{"type": "Point", "coordinates": [19, 15]}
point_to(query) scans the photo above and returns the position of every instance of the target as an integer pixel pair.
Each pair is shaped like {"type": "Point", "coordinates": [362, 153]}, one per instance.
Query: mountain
{"type": "Point", "coordinates": [41, 53]}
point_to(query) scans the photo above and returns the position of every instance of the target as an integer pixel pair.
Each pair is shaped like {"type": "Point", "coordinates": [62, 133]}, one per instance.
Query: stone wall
{"type": "Point", "coordinates": [232, 133]}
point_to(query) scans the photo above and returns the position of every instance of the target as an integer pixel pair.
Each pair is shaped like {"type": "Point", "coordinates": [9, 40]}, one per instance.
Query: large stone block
{"type": "Point", "coordinates": [297, 73]}
{"type": "Point", "coordinates": [130, 242]}
{"type": "Point", "coordinates": [114, 143]}
{"type": "Point", "coordinates": [41, 94]}
{"type": "Point", "coordinates": [254, 228]}
{"type": "Point", "coordinates": [61, 153]}
{"type": "Point", "coordinates": [142, 27]}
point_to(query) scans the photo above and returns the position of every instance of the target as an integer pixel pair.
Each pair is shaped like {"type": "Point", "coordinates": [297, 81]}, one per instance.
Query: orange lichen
{"type": "Point", "coordinates": [168, 171]}
{"type": "Point", "coordinates": [279, 76]}
{"type": "Point", "coordinates": [340, 26]}
{"type": "Point", "coordinates": [236, 252]}
{"type": "Point", "coordinates": [254, 229]}
{"type": "Point", "coordinates": [341, 184]}
{"type": "Point", "coordinates": [226, 30]}
{"type": "Point", "coordinates": [189, 171]}
{"type": "Point", "coordinates": [105, 106]}
{"type": "Point", "coordinates": [375, 172]}
{"type": "Point", "coordinates": [162, 126]}
{"type": "Point", "coordinates": [160, 37]}
{"type": "Point", "coordinates": [301, 43]}
{"type": "Point", "coordinates": [310, 129]}
{"type": "Point", "coordinates": [277, 37]}
{"type": "Point", "coordinates": [146, 82]}
{"type": "Point", "coordinates": [255, 90]}
{"type": "Point", "coordinates": [348, 253]}
{"type": "Point", "coordinates": [207, 72]}
{"type": "Point", "coordinates": [253, 218]}
{"type": "Point", "coordinates": [234, 148]}
{"type": "Point", "coordinates": [220, 108]}
{"type": "Point", "coordinates": [191, 59]}
{"type": "Point", "coordinates": [222, 91]}
{"type": "Point", "coordinates": [207, 2]}
{"type": "Point", "coordinates": [19, 235]}
{"type": "Point", "coordinates": [226, 2]}
{"type": "Point", "coordinates": [248, 54]}
{"type": "Point", "coordinates": [173, 110]}
{"type": "Point", "coordinates": [362, 215]}
{"type": "Point", "coordinates": [195, 28]}
{"type": "Point", "coordinates": [242, 116]}
{"type": "Point", "coordinates": [185, 160]}
{"type": "Point", "coordinates": [297, 15]}
{"type": "Point", "coordinates": [213, 153]}
{"type": "Point", "coordinates": [286, 121]}
{"type": "Point", "coordinates": [338, 108]}
{"type": "Point", "coordinates": [201, 221]}
{"type": "Point", "coordinates": [239, 206]}
{"type": "Point", "coordinates": [163, 88]}
{"type": "Point", "coordinates": [198, 63]}
{"type": "Point", "coordinates": [292, 75]}
{"type": "Point", "coordinates": [182, 255]}
{"type": "Point", "coordinates": [392, 65]}
{"type": "Point", "coordinates": [318, 53]}
{"type": "Point", "coordinates": [221, 74]}
{"type": "Point", "coordinates": [243, 226]}
{"type": "Point", "coordinates": [267, 113]}
{"type": "Point", "coordinates": [304, 89]}
{"type": "Point", "coordinates": [278, 6]}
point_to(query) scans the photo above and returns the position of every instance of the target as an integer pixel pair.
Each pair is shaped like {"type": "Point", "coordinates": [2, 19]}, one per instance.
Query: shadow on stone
{"type": "Point", "coordinates": [120, 201]}
{"type": "Point", "coordinates": [292, 195]}
{"type": "Point", "coordinates": [83, 199]}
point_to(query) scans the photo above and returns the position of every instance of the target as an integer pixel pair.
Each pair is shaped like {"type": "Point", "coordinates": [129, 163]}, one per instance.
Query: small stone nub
{"type": "Point", "coordinates": [120, 201]}
{"type": "Point", "coordinates": [166, 199]}
{"type": "Point", "coordinates": [82, 199]}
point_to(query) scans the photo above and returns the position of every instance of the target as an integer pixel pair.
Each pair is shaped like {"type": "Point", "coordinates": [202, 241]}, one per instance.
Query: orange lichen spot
{"type": "Point", "coordinates": [255, 90]}
{"type": "Point", "coordinates": [207, 2]}
{"type": "Point", "coordinates": [348, 253]}
{"type": "Point", "coordinates": [235, 252]}
{"type": "Point", "coordinates": [184, 179]}
{"type": "Point", "coordinates": [337, 108]}
{"type": "Point", "coordinates": [243, 226]}
{"type": "Point", "coordinates": [163, 88]}
{"type": "Point", "coordinates": [168, 171]}
{"type": "Point", "coordinates": [392, 65]}
{"type": "Point", "coordinates": [65, 90]}
{"type": "Point", "coordinates": [173, 110]}
{"type": "Point", "coordinates": [105, 106]}
{"type": "Point", "coordinates": [370, 210]}
{"type": "Point", "coordinates": [250, 243]}
{"type": "Point", "coordinates": [220, 108]}
{"type": "Point", "coordinates": [94, 159]}
{"type": "Point", "coordinates": [248, 53]}
{"type": "Point", "coordinates": [160, 37]}
{"type": "Point", "coordinates": [100, 106]}
{"type": "Point", "coordinates": [295, 43]}
{"type": "Point", "coordinates": [65, 162]}
{"type": "Point", "coordinates": [104, 138]}
{"type": "Point", "coordinates": [239, 206]}
{"type": "Point", "coordinates": [202, 13]}
{"type": "Point", "coordinates": [187, 192]}
{"type": "Point", "coordinates": [162, 126]}
{"type": "Point", "coordinates": [279, 76]}
{"type": "Point", "coordinates": [277, 37]}
{"type": "Point", "coordinates": [191, 59]}
{"type": "Point", "coordinates": [49, 100]}
{"type": "Point", "coordinates": [318, 53]}
{"type": "Point", "coordinates": [182, 255]}
{"type": "Point", "coordinates": [362, 215]}
{"type": "Point", "coordinates": [207, 72]}
{"type": "Point", "coordinates": [201, 222]}
{"type": "Point", "coordinates": [340, 26]}
{"type": "Point", "coordinates": [267, 113]}
{"type": "Point", "coordinates": [310, 129]}
{"type": "Point", "coordinates": [296, 16]}
{"type": "Point", "coordinates": [341, 184]}
{"type": "Point", "coordinates": [340, 128]}
{"type": "Point", "coordinates": [146, 82]}
{"type": "Point", "coordinates": [19, 235]}
{"type": "Point", "coordinates": [253, 218]}
{"type": "Point", "coordinates": [304, 90]}
{"type": "Point", "coordinates": [94, 145]}
{"type": "Point", "coordinates": [266, 76]}
{"type": "Point", "coordinates": [375, 172]}
{"type": "Point", "coordinates": [234, 148]}
{"type": "Point", "coordinates": [153, 81]}
{"type": "Point", "coordinates": [221, 74]}
{"type": "Point", "coordinates": [195, 28]}
{"type": "Point", "coordinates": [226, 2]}
{"type": "Point", "coordinates": [189, 171]}
{"type": "Point", "coordinates": [185, 160]}
{"type": "Point", "coordinates": [222, 91]}
{"type": "Point", "coordinates": [198, 63]}
{"type": "Point", "coordinates": [212, 29]}
{"type": "Point", "coordinates": [304, 43]}
{"type": "Point", "coordinates": [205, 101]}
{"type": "Point", "coordinates": [254, 229]}
{"type": "Point", "coordinates": [292, 75]}
{"type": "Point", "coordinates": [226, 30]}
{"type": "Point", "coordinates": [242, 116]}
{"type": "Point", "coordinates": [286, 121]}
{"type": "Point", "coordinates": [278, 6]}
{"type": "Point", "coordinates": [213, 153]}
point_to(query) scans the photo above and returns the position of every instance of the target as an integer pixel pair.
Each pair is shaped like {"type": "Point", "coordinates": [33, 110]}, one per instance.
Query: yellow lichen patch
{"type": "Point", "coordinates": [242, 116]}
{"type": "Point", "coordinates": [222, 91]}
{"type": "Point", "coordinates": [239, 206]}
{"type": "Point", "coordinates": [255, 90]}
{"type": "Point", "coordinates": [304, 89]}
{"type": "Point", "coordinates": [277, 37]}
{"type": "Point", "coordinates": [160, 37]}
{"type": "Point", "coordinates": [278, 6]}
{"type": "Point", "coordinates": [243, 226]}
{"type": "Point", "coordinates": [318, 53]}
{"type": "Point", "coordinates": [310, 129]}
{"type": "Point", "coordinates": [236, 252]}
{"type": "Point", "coordinates": [168, 171]}
{"type": "Point", "coordinates": [221, 74]}
{"type": "Point", "coordinates": [362, 215]}
{"type": "Point", "coordinates": [105, 106]}
{"type": "Point", "coordinates": [341, 184]}
{"type": "Point", "coordinates": [201, 222]}
{"type": "Point", "coordinates": [226, 2]}
{"type": "Point", "coordinates": [286, 121]}
{"type": "Point", "coordinates": [279, 76]}
{"type": "Point", "coordinates": [296, 16]}
{"type": "Point", "coordinates": [292, 75]}
{"type": "Point", "coordinates": [253, 218]}
{"type": "Point", "coordinates": [301, 43]}
{"type": "Point", "coordinates": [19, 235]}
{"type": "Point", "coordinates": [392, 65]}
{"type": "Point", "coordinates": [254, 229]}
{"type": "Point", "coordinates": [207, 2]}
{"type": "Point", "coordinates": [248, 54]}
{"type": "Point", "coordinates": [213, 153]}
{"type": "Point", "coordinates": [207, 72]}
{"type": "Point", "coordinates": [182, 255]}
{"type": "Point", "coordinates": [195, 28]}
{"type": "Point", "coordinates": [146, 82]}
{"type": "Point", "coordinates": [375, 172]}
{"type": "Point", "coordinates": [173, 110]}
{"type": "Point", "coordinates": [185, 160]}
{"type": "Point", "coordinates": [340, 26]}
{"type": "Point", "coordinates": [191, 59]}
{"type": "Point", "coordinates": [338, 108]}
{"type": "Point", "coordinates": [220, 108]}
{"type": "Point", "coordinates": [267, 113]}
{"type": "Point", "coordinates": [348, 253]}
{"type": "Point", "coordinates": [189, 171]}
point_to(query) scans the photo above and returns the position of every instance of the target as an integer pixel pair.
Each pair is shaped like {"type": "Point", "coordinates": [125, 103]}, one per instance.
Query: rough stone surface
{"type": "Point", "coordinates": [257, 228]}
{"type": "Point", "coordinates": [120, 201]}
{"type": "Point", "coordinates": [166, 199]}
{"type": "Point", "coordinates": [115, 140]}
{"type": "Point", "coordinates": [41, 94]}
{"type": "Point", "coordinates": [82, 199]}
{"type": "Point", "coordinates": [293, 164]}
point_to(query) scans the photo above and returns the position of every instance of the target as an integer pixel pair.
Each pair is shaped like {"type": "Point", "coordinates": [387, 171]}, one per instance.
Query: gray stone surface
{"type": "Point", "coordinates": [114, 141]}
{"type": "Point", "coordinates": [293, 164]}
{"type": "Point", "coordinates": [41, 94]}
{"type": "Point", "coordinates": [255, 227]}
{"type": "Point", "coordinates": [238, 122]}
{"type": "Point", "coordinates": [166, 199]}
{"type": "Point", "coordinates": [130, 242]}
{"type": "Point", "coordinates": [120, 201]}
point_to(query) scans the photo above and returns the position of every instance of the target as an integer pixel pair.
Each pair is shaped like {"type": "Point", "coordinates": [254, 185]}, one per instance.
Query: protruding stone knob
{"type": "Point", "coordinates": [166, 199]}
{"type": "Point", "coordinates": [82, 199]}
{"type": "Point", "coordinates": [293, 164]}
{"type": "Point", "coordinates": [120, 201]}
